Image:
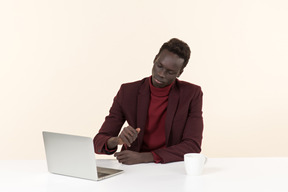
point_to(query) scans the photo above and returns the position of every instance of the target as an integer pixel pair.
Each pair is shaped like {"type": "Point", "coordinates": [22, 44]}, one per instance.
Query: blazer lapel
{"type": "Point", "coordinates": [173, 101]}
{"type": "Point", "coordinates": [142, 110]}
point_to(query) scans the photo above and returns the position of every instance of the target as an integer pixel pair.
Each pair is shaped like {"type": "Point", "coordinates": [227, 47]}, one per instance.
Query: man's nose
{"type": "Point", "coordinates": [161, 73]}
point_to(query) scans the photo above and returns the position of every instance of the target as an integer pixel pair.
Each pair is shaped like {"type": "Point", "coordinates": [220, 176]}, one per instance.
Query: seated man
{"type": "Point", "coordinates": [164, 114]}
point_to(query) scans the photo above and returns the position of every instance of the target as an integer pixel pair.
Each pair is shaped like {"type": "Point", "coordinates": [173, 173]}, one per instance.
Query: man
{"type": "Point", "coordinates": [164, 114]}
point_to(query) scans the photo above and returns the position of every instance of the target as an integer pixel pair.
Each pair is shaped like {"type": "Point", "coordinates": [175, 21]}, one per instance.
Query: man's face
{"type": "Point", "coordinates": [167, 67]}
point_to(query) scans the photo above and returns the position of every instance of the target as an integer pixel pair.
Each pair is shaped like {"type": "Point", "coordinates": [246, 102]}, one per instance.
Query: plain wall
{"type": "Point", "coordinates": [62, 62]}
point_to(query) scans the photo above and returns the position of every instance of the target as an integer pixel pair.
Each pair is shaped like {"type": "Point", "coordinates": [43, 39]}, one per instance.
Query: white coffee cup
{"type": "Point", "coordinates": [194, 163]}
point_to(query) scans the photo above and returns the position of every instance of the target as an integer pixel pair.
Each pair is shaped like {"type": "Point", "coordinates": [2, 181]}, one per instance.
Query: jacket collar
{"type": "Point", "coordinates": [143, 106]}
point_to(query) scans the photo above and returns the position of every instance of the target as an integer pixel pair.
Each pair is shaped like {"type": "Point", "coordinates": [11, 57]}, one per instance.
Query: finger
{"type": "Point", "coordinates": [121, 157]}
{"type": "Point", "coordinates": [130, 138]}
{"type": "Point", "coordinates": [128, 134]}
{"type": "Point", "coordinates": [131, 131]}
{"type": "Point", "coordinates": [124, 139]}
{"type": "Point", "coordinates": [125, 157]}
{"type": "Point", "coordinates": [120, 154]}
{"type": "Point", "coordinates": [135, 134]}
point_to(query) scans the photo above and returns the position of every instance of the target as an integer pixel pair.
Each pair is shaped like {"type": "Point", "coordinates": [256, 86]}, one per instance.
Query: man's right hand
{"type": "Point", "coordinates": [127, 137]}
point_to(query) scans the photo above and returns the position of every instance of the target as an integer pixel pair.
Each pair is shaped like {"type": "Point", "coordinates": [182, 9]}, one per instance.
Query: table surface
{"type": "Point", "coordinates": [220, 174]}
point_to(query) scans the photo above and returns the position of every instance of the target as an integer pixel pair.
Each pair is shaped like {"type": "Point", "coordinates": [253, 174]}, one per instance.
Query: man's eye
{"type": "Point", "coordinates": [171, 73]}
{"type": "Point", "coordinates": [160, 66]}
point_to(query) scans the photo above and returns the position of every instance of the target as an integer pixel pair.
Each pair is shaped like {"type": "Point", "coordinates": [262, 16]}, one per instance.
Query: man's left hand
{"type": "Point", "coordinates": [131, 157]}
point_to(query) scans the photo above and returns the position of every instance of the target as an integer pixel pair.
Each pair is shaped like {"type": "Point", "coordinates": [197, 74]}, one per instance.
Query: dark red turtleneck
{"type": "Point", "coordinates": [154, 134]}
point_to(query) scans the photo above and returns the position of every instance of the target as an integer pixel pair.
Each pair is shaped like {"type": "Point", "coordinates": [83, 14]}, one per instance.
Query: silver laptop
{"type": "Point", "coordinates": [74, 156]}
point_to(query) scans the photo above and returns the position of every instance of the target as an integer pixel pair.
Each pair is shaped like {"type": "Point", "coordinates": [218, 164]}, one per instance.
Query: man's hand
{"type": "Point", "coordinates": [131, 157]}
{"type": "Point", "coordinates": [126, 137]}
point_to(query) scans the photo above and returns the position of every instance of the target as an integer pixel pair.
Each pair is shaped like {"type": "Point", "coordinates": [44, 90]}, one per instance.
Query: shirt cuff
{"type": "Point", "coordinates": [109, 151]}
{"type": "Point", "coordinates": [156, 158]}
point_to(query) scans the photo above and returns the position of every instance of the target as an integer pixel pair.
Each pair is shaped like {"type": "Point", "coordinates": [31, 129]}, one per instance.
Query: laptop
{"type": "Point", "coordinates": [73, 156]}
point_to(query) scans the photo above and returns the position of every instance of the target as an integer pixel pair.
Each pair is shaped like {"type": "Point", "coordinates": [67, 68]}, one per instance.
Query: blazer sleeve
{"type": "Point", "coordinates": [191, 134]}
{"type": "Point", "coordinates": [111, 126]}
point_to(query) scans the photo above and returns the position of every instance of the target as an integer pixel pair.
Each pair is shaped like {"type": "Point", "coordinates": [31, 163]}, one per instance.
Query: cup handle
{"type": "Point", "coordinates": [206, 159]}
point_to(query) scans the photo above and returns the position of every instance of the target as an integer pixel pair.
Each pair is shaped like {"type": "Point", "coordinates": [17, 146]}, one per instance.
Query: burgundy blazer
{"type": "Point", "coordinates": [183, 126]}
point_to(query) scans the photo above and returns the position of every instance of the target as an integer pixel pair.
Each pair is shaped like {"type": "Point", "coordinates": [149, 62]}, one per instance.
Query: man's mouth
{"type": "Point", "coordinates": [157, 81]}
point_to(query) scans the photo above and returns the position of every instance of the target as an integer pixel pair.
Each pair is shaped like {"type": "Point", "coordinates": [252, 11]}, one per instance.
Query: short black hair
{"type": "Point", "coordinates": [177, 47]}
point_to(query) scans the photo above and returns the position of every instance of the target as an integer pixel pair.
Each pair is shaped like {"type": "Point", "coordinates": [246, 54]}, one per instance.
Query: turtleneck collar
{"type": "Point", "coordinates": [159, 92]}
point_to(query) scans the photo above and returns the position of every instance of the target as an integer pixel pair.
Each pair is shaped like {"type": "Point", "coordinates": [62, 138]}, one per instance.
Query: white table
{"type": "Point", "coordinates": [220, 174]}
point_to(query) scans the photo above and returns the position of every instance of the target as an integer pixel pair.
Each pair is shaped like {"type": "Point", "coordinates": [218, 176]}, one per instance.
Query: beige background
{"type": "Point", "coordinates": [62, 62]}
